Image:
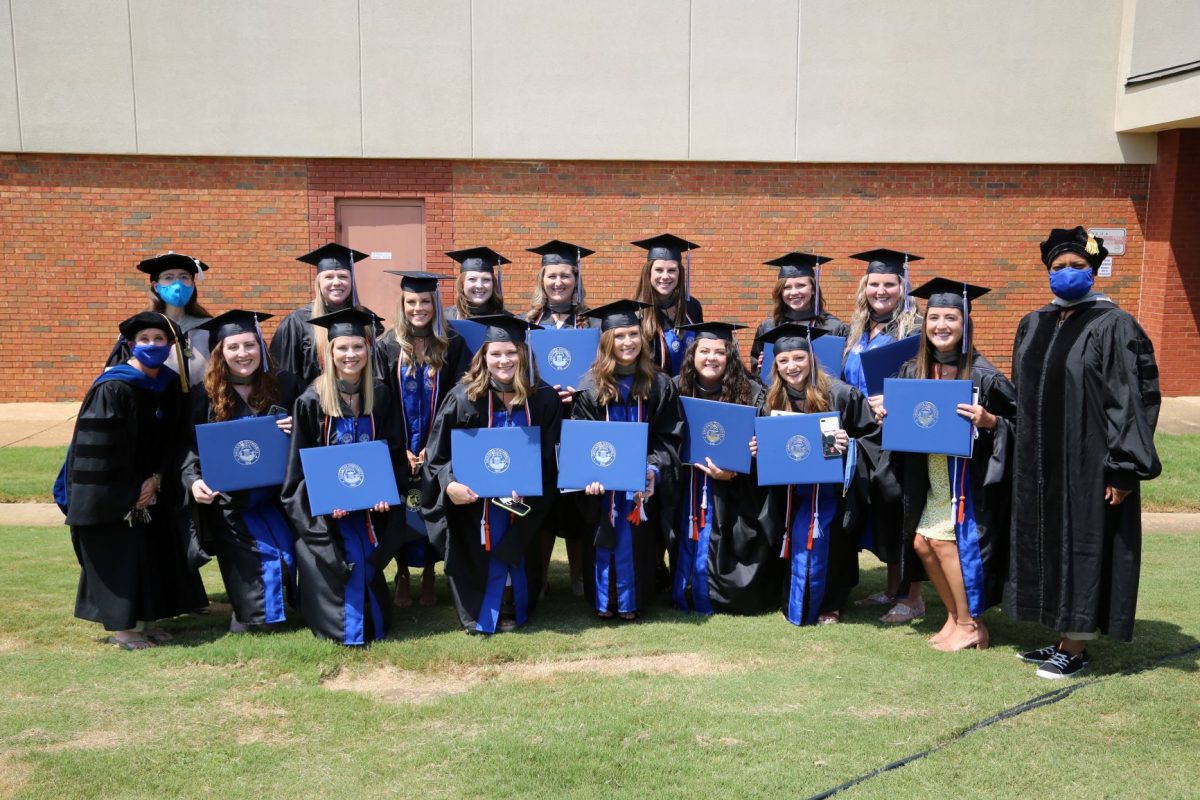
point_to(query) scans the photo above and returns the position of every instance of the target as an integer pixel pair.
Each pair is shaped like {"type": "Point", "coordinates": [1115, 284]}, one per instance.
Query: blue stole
{"type": "Point", "coordinates": [691, 564]}
{"type": "Point", "coordinates": [806, 545]}
{"type": "Point", "coordinates": [966, 534]}
{"type": "Point", "coordinates": [620, 507]}
{"type": "Point", "coordinates": [498, 521]}
{"type": "Point", "coordinates": [674, 346]}
{"type": "Point", "coordinates": [358, 542]}
{"type": "Point", "coordinates": [418, 401]}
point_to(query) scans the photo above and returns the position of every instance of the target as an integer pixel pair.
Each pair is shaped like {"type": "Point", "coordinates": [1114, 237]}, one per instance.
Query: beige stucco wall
{"type": "Point", "coordinates": [1157, 34]}
{"type": "Point", "coordinates": [756, 80]}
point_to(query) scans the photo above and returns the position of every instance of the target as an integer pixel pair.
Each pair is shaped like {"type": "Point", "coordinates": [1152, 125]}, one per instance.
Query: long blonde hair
{"type": "Point", "coordinates": [319, 309]}
{"type": "Point", "coordinates": [605, 366]}
{"type": "Point", "coordinates": [539, 306]}
{"type": "Point", "coordinates": [494, 305]}
{"type": "Point", "coordinates": [645, 293]}
{"type": "Point", "coordinates": [816, 389]}
{"type": "Point", "coordinates": [477, 380]}
{"type": "Point", "coordinates": [326, 383]}
{"type": "Point", "coordinates": [905, 321]}
{"type": "Point", "coordinates": [436, 344]}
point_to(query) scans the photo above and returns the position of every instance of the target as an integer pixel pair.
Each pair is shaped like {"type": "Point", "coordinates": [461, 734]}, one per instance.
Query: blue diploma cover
{"type": "Point", "coordinates": [242, 453]}
{"type": "Point", "coordinates": [828, 350]}
{"type": "Point", "coordinates": [790, 452]}
{"type": "Point", "coordinates": [564, 355]}
{"type": "Point", "coordinates": [922, 417]}
{"type": "Point", "coordinates": [613, 453]}
{"type": "Point", "coordinates": [471, 332]}
{"type": "Point", "coordinates": [884, 362]}
{"type": "Point", "coordinates": [720, 431]}
{"type": "Point", "coordinates": [348, 476]}
{"type": "Point", "coordinates": [495, 462]}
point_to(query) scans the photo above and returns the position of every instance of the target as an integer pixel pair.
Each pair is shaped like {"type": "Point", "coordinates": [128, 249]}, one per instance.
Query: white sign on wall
{"type": "Point", "coordinates": [1114, 239]}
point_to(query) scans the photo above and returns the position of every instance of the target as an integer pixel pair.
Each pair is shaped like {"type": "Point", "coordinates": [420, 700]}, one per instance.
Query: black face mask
{"type": "Point", "coordinates": [241, 380]}
{"type": "Point", "coordinates": [948, 357]}
{"type": "Point", "coordinates": [346, 387]}
{"type": "Point", "coordinates": [792, 315]}
{"type": "Point", "coordinates": [503, 388]}
{"type": "Point", "coordinates": [560, 308]}
{"type": "Point", "coordinates": [883, 319]}
{"type": "Point", "coordinates": [625, 369]}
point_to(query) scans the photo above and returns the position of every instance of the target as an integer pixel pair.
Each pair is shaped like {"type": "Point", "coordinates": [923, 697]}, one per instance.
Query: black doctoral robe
{"type": "Point", "coordinates": [1087, 406]}
{"type": "Point", "coordinates": [743, 571]}
{"type": "Point", "coordinates": [219, 525]}
{"type": "Point", "coordinates": [665, 435]}
{"type": "Point", "coordinates": [693, 313]}
{"type": "Point", "coordinates": [131, 570]}
{"type": "Point", "coordinates": [990, 481]}
{"type": "Point", "coordinates": [842, 570]}
{"type": "Point", "coordinates": [320, 553]}
{"type": "Point", "coordinates": [454, 529]}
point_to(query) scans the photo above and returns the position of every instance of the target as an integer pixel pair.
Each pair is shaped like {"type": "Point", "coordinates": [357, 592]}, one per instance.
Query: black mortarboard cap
{"type": "Point", "coordinates": [665, 246]}
{"type": "Point", "coordinates": [505, 328]}
{"type": "Point", "coordinates": [232, 323]}
{"type": "Point", "coordinates": [1074, 240]}
{"type": "Point", "coordinates": [798, 265]}
{"type": "Point", "coordinates": [617, 314]}
{"type": "Point", "coordinates": [791, 336]}
{"type": "Point", "coordinates": [478, 259]}
{"type": "Point", "coordinates": [947, 293]}
{"type": "Point", "coordinates": [333, 256]}
{"type": "Point", "coordinates": [714, 330]}
{"type": "Point", "coordinates": [149, 319]}
{"type": "Point", "coordinates": [417, 281]}
{"type": "Point", "coordinates": [883, 260]}
{"type": "Point", "coordinates": [559, 252]}
{"type": "Point", "coordinates": [348, 322]}
{"type": "Point", "coordinates": [171, 260]}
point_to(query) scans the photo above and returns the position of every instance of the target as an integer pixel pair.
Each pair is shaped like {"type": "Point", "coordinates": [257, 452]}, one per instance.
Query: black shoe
{"type": "Point", "coordinates": [1039, 656]}
{"type": "Point", "coordinates": [1063, 665]}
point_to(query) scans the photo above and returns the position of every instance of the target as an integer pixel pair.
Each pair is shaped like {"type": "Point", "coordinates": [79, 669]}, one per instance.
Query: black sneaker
{"type": "Point", "coordinates": [1063, 665]}
{"type": "Point", "coordinates": [1039, 656]}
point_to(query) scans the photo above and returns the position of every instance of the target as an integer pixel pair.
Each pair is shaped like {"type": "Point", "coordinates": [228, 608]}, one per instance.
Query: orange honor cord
{"type": "Point", "coordinates": [786, 552]}
{"type": "Point", "coordinates": [814, 530]}
{"type": "Point", "coordinates": [962, 488]}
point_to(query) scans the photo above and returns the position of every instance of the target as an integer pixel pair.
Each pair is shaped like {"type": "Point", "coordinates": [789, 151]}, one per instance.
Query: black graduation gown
{"type": "Point", "coordinates": [825, 321]}
{"type": "Point", "coordinates": [457, 361]}
{"type": "Point", "coordinates": [743, 572]}
{"type": "Point", "coordinates": [990, 484]}
{"type": "Point", "coordinates": [693, 312]}
{"type": "Point", "coordinates": [220, 525]}
{"type": "Point", "coordinates": [320, 551]}
{"type": "Point", "coordinates": [665, 419]}
{"type": "Point", "coordinates": [292, 346]}
{"type": "Point", "coordinates": [454, 529]}
{"type": "Point", "coordinates": [842, 570]}
{"type": "Point", "coordinates": [451, 312]}
{"type": "Point", "coordinates": [1087, 406]}
{"type": "Point", "coordinates": [135, 570]}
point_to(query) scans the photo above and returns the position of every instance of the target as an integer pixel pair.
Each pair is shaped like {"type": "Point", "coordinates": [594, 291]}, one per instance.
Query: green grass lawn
{"type": "Point", "coordinates": [27, 473]}
{"type": "Point", "coordinates": [674, 706]}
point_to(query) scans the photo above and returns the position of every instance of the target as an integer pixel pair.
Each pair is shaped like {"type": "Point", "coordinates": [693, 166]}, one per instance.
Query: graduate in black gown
{"type": "Point", "coordinates": [665, 286]}
{"type": "Point", "coordinates": [722, 561]}
{"type": "Point", "coordinates": [796, 298]}
{"type": "Point", "coordinates": [1087, 406]}
{"type": "Point", "coordinates": [248, 530]}
{"type": "Point", "coordinates": [956, 510]}
{"type": "Point", "coordinates": [492, 555]}
{"type": "Point", "coordinates": [627, 531]}
{"type": "Point", "coordinates": [173, 291]}
{"type": "Point", "coordinates": [883, 314]}
{"type": "Point", "coordinates": [340, 556]}
{"type": "Point", "coordinates": [297, 347]}
{"type": "Point", "coordinates": [806, 524]}
{"type": "Point", "coordinates": [422, 361]}
{"type": "Point", "coordinates": [134, 565]}
{"type": "Point", "coordinates": [559, 301]}
{"type": "Point", "coordinates": [479, 287]}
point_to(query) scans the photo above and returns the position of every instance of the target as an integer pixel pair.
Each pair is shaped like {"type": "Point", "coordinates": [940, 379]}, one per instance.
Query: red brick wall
{"type": "Point", "coordinates": [76, 226]}
{"type": "Point", "coordinates": [1170, 291]}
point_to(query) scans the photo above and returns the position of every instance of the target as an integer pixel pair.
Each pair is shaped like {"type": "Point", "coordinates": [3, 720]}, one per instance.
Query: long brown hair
{"type": "Point", "coordinates": [646, 294]}
{"type": "Point", "coordinates": [925, 359]}
{"type": "Point", "coordinates": [436, 344]}
{"type": "Point", "coordinates": [905, 321]}
{"type": "Point", "coordinates": [816, 389]}
{"type": "Point", "coordinates": [477, 378]}
{"type": "Point", "coordinates": [605, 365]}
{"type": "Point", "coordinates": [735, 383]}
{"type": "Point", "coordinates": [494, 305]}
{"type": "Point", "coordinates": [264, 387]}
{"type": "Point", "coordinates": [781, 307]}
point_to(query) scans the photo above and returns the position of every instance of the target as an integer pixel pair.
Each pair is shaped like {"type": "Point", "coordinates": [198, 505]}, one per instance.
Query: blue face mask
{"type": "Point", "coordinates": [1070, 283]}
{"type": "Point", "coordinates": [176, 294]}
{"type": "Point", "coordinates": [152, 356]}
